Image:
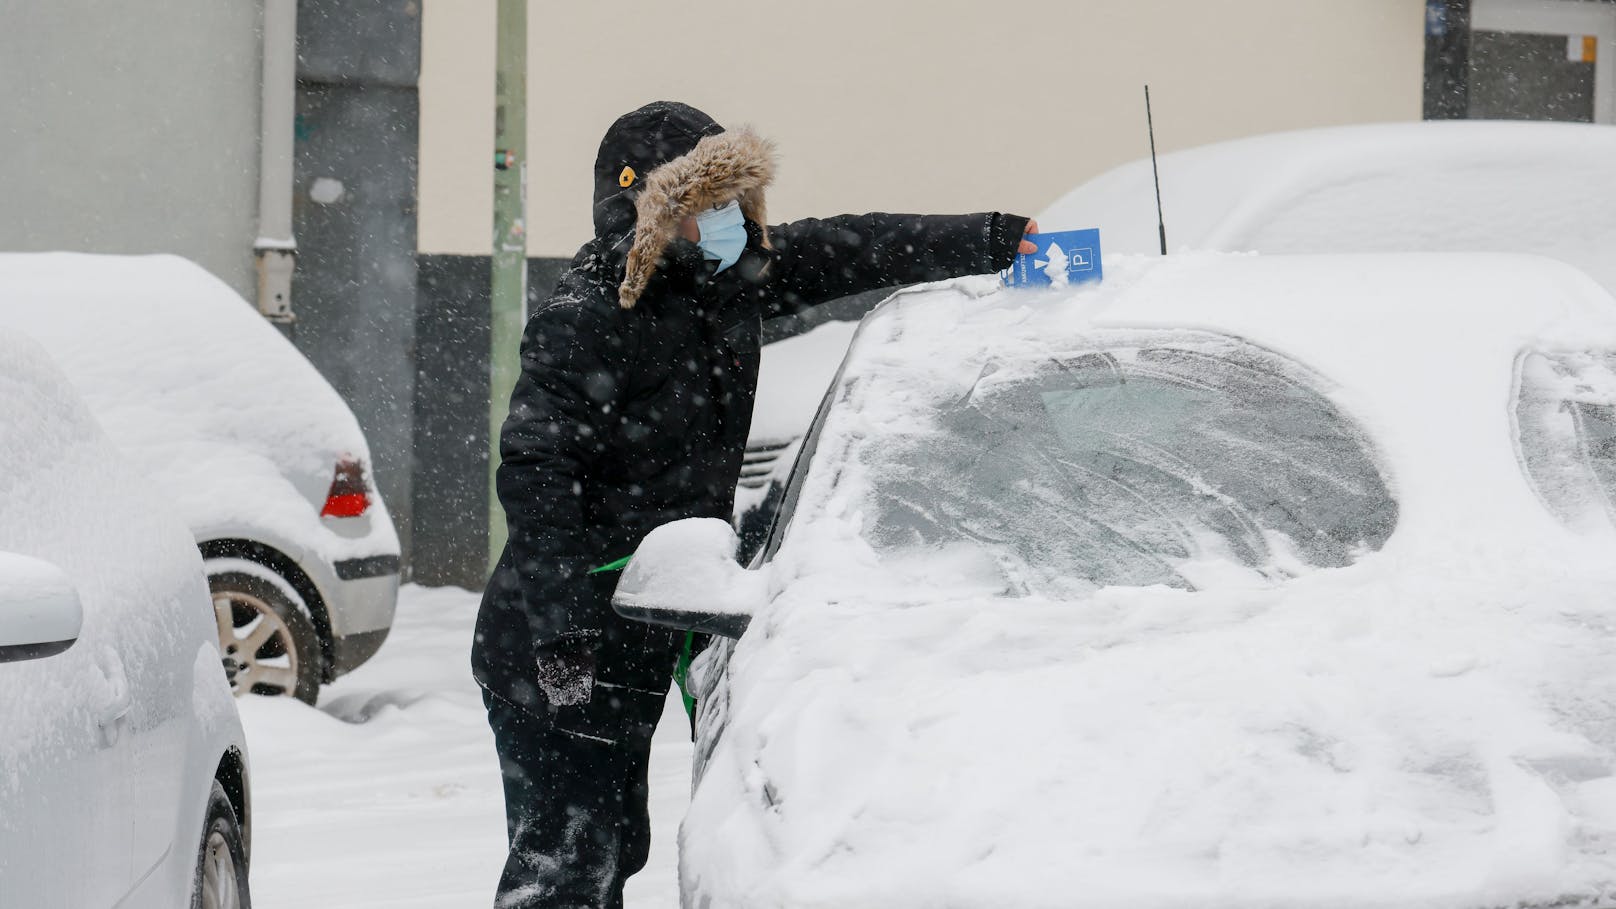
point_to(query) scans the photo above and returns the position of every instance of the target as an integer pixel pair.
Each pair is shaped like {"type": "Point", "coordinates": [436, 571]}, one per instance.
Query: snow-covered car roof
{"type": "Point", "coordinates": [1450, 186]}
{"type": "Point", "coordinates": [197, 389]}
{"type": "Point", "coordinates": [1427, 725]}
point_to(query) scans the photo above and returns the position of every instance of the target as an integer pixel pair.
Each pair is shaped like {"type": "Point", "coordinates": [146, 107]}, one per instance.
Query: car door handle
{"type": "Point", "coordinates": [110, 723]}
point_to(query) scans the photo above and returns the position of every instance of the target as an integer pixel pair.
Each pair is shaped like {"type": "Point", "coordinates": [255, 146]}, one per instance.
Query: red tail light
{"type": "Point", "coordinates": [349, 496]}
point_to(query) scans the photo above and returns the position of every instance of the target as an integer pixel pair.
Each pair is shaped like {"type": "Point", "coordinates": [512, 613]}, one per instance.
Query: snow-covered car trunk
{"type": "Point", "coordinates": [201, 393]}
{"type": "Point", "coordinates": [1228, 582]}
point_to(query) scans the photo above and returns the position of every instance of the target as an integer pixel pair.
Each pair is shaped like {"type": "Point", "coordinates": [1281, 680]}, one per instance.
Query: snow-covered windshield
{"type": "Point", "coordinates": [1565, 425]}
{"type": "Point", "coordinates": [1146, 459]}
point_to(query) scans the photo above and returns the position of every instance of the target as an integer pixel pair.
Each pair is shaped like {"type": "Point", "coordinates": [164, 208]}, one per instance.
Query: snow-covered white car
{"type": "Point", "coordinates": [1436, 186]}
{"type": "Point", "coordinates": [123, 772]}
{"type": "Point", "coordinates": [1232, 581]}
{"type": "Point", "coordinates": [246, 441]}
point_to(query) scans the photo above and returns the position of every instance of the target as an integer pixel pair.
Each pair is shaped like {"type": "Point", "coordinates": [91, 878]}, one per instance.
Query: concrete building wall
{"type": "Point", "coordinates": [899, 105]}
{"type": "Point", "coordinates": [132, 128]}
{"type": "Point", "coordinates": [356, 284]}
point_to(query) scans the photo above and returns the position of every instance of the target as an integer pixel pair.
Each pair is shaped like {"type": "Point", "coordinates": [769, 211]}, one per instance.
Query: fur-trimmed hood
{"type": "Point", "coordinates": [737, 165]}
{"type": "Point", "coordinates": [662, 163]}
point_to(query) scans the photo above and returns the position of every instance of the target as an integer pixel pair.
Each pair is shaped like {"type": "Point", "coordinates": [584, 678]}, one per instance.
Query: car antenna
{"type": "Point", "coordinates": [1161, 223]}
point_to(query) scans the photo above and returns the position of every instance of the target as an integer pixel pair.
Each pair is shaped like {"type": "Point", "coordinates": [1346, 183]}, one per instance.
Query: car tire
{"type": "Point", "coordinates": [266, 636]}
{"type": "Point", "coordinates": [220, 880]}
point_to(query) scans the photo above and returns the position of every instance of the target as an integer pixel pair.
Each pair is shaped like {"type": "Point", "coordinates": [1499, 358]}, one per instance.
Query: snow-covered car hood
{"type": "Point", "coordinates": [200, 392]}
{"type": "Point", "coordinates": [1428, 726]}
{"type": "Point", "coordinates": [1453, 186]}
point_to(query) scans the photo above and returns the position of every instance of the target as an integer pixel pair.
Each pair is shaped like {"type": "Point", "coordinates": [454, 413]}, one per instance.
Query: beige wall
{"type": "Point", "coordinates": [899, 105]}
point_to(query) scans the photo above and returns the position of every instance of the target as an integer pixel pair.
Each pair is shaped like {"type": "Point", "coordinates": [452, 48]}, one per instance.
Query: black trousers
{"type": "Point", "coordinates": [575, 794]}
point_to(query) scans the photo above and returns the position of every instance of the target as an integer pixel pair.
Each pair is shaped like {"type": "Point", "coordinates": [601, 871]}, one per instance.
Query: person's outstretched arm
{"type": "Point", "coordinates": [822, 259]}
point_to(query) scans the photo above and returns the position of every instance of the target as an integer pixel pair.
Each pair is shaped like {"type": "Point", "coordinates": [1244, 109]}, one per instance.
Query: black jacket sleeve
{"type": "Point", "coordinates": [823, 259]}
{"type": "Point", "coordinates": [553, 433]}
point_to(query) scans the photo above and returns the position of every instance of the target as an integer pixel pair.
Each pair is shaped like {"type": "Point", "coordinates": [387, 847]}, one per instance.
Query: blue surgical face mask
{"type": "Point", "coordinates": [723, 234]}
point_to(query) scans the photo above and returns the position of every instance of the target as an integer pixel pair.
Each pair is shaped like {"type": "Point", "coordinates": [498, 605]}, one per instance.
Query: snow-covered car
{"type": "Point", "coordinates": [1232, 581]}
{"type": "Point", "coordinates": [247, 442]}
{"type": "Point", "coordinates": [123, 772]}
{"type": "Point", "coordinates": [1436, 186]}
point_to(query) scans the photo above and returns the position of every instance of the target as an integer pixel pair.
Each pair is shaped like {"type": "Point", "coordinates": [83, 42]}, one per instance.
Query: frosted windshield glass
{"type": "Point", "coordinates": [1131, 466]}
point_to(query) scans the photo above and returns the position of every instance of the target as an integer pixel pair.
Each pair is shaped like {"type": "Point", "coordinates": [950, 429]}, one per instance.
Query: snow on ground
{"type": "Point", "coordinates": [389, 795]}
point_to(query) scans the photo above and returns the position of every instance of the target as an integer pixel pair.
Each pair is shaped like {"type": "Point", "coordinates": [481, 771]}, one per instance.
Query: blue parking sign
{"type": "Point", "coordinates": [1064, 257]}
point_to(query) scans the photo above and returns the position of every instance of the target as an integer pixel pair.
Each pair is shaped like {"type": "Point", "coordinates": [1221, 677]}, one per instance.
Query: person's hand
{"type": "Point", "coordinates": [566, 673]}
{"type": "Point", "coordinates": [1027, 246]}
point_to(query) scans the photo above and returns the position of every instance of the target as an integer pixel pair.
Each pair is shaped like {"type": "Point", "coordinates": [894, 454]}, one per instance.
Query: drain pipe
{"type": "Point", "coordinates": [275, 248]}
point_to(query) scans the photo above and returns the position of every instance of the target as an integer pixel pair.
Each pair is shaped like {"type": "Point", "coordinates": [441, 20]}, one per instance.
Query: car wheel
{"type": "Point", "coordinates": [266, 637]}
{"type": "Point", "coordinates": [221, 864]}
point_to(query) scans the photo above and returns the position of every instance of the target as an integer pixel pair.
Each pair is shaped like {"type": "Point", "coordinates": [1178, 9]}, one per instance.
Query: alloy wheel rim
{"type": "Point", "coordinates": [257, 644]}
{"type": "Point", "coordinates": [221, 886]}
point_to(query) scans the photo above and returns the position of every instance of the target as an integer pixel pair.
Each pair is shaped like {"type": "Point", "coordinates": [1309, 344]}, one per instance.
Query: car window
{"type": "Point", "coordinates": [799, 470]}
{"type": "Point", "coordinates": [1142, 461]}
{"type": "Point", "coordinates": [1565, 433]}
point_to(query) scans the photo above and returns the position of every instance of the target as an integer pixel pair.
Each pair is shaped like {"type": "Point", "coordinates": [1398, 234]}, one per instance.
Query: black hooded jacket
{"type": "Point", "coordinates": [624, 419]}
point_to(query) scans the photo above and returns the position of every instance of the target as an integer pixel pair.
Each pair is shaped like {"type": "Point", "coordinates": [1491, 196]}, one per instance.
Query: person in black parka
{"type": "Point", "coordinates": [632, 410]}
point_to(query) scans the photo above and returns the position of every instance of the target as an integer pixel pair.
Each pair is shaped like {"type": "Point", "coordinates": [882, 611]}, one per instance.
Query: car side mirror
{"type": "Point", "coordinates": [684, 575]}
{"type": "Point", "coordinates": [40, 614]}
